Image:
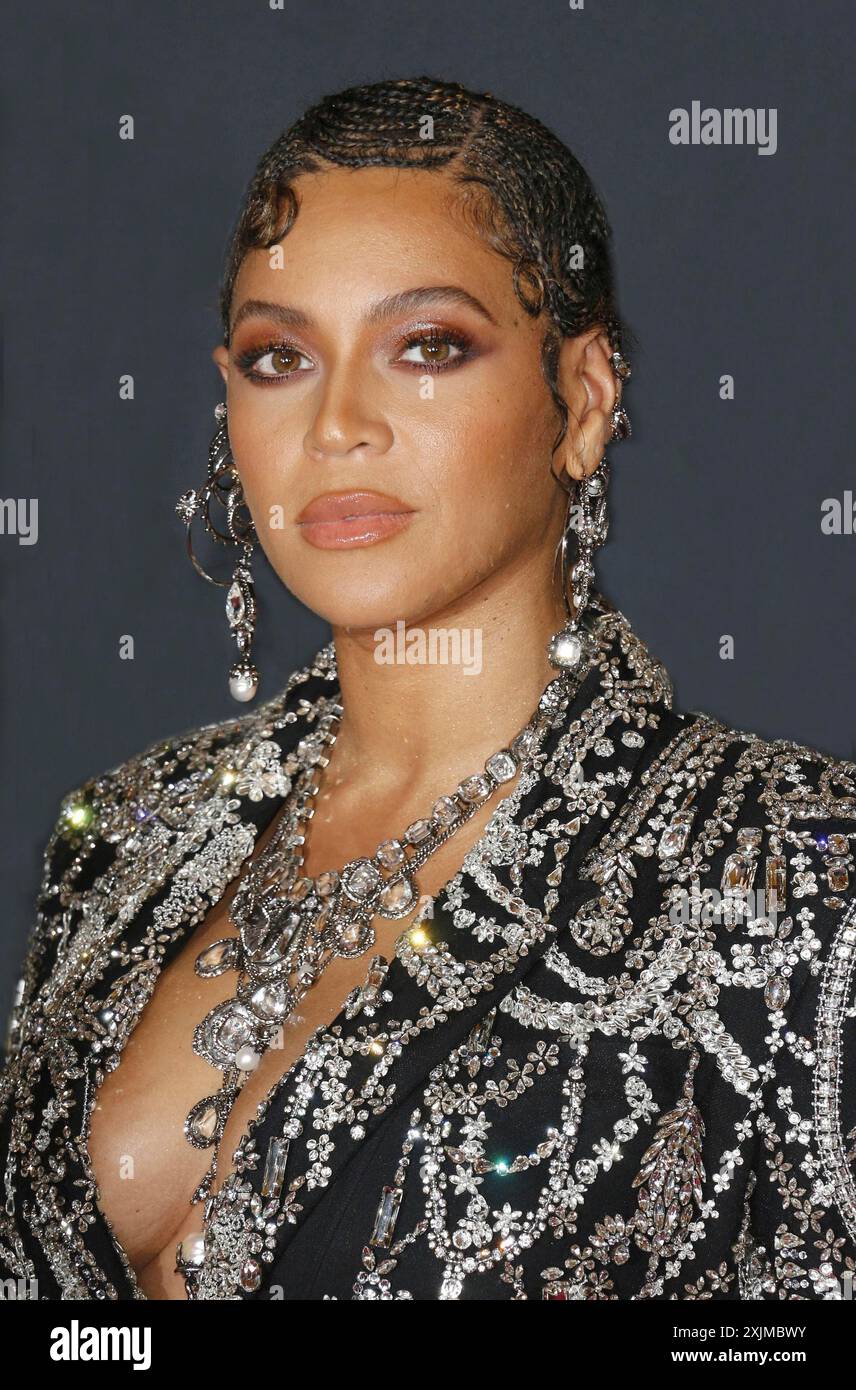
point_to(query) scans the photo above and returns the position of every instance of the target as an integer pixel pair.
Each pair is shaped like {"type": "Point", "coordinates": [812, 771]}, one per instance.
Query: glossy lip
{"type": "Point", "coordinates": [339, 506]}
{"type": "Point", "coordinates": [343, 520]}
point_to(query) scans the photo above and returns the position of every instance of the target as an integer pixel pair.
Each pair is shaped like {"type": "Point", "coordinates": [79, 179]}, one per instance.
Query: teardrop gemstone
{"type": "Point", "coordinates": [217, 958]}
{"type": "Point", "coordinates": [201, 1124]}
{"type": "Point", "coordinates": [235, 606]}
{"type": "Point", "coordinates": [397, 898]}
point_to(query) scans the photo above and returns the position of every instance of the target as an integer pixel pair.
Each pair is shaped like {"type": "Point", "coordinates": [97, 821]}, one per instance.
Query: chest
{"type": "Point", "coordinates": [144, 1165]}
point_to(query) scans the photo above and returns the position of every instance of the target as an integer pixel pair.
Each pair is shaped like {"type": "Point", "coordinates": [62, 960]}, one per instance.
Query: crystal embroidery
{"type": "Point", "coordinates": [586, 1082]}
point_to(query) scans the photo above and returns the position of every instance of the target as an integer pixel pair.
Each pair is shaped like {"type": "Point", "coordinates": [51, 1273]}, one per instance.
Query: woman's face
{"type": "Point", "coordinates": [386, 351]}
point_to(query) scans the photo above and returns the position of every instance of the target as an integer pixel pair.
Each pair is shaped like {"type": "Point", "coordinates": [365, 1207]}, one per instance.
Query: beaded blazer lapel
{"type": "Point", "coordinates": [520, 886]}
{"type": "Point", "coordinates": [551, 891]}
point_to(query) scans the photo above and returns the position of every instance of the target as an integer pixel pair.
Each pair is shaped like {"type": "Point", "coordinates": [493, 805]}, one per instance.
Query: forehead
{"type": "Point", "coordinates": [368, 230]}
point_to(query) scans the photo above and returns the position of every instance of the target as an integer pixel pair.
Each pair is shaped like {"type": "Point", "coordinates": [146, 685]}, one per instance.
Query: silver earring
{"type": "Point", "coordinates": [620, 423]}
{"type": "Point", "coordinates": [620, 419]}
{"type": "Point", "coordinates": [574, 645]}
{"type": "Point", "coordinates": [223, 485]}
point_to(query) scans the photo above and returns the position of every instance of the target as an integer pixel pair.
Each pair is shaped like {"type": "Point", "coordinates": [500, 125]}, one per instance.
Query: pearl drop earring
{"type": "Point", "coordinates": [223, 485]}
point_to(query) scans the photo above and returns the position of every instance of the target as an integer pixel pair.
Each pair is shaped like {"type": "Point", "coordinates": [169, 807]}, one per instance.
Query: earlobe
{"type": "Point", "coordinates": [573, 451]}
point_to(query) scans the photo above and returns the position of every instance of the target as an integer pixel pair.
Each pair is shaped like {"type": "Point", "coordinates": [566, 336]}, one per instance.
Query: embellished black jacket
{"type": "Point", "coordinates": [618, 1062]}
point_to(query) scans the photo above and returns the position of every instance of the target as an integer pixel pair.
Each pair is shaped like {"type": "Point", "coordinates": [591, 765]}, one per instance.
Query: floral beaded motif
{"type": "Point", "coordinates": [613, 1060]}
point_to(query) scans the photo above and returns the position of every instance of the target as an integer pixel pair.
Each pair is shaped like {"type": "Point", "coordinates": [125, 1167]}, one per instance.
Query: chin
{"type": "Point", "coordinates": [367, 589]}
{"type": "Point", "coordinates": [365, 607]}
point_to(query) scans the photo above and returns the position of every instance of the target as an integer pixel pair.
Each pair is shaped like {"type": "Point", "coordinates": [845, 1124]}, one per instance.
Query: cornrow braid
{"type": "Point", "coordinates": [522, 189]}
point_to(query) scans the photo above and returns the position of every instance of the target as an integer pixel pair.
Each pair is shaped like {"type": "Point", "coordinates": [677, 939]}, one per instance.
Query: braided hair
{"type": "Point", "coordinates": [522, 189]}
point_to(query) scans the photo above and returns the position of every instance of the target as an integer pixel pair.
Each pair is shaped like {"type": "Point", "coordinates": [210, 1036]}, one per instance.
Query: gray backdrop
{"type": "Point", "coordinates": [730, 262]}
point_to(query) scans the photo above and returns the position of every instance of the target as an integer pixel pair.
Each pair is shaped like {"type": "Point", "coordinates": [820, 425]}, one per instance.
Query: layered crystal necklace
{"type": "Point", "coordinates": [290, 926]}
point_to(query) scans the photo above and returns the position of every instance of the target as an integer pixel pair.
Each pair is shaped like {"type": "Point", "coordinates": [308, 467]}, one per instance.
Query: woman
{"type": "Point", "coordinates": [550, 1000]}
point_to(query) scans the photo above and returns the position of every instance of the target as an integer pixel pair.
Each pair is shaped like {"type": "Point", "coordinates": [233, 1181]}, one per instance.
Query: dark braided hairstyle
{"type": "Point", "coordinates": [539, 208]}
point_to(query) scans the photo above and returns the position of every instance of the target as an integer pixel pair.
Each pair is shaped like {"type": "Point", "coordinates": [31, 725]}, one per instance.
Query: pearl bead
{"type": "Point", "coordinates": [246, 1058]}
{"type": "Point", "coordinates": [193, 1248]}
{"type": "Point", "coordinates": [242, 687]}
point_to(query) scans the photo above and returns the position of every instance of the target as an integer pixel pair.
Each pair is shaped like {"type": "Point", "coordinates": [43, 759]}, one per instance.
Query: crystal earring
{"type": "Point", "coordinates": [574, 644]}
{"type": "Point", "coordinates": [223, 485]}
{"type": "Point", "coordinates": [620, 419]}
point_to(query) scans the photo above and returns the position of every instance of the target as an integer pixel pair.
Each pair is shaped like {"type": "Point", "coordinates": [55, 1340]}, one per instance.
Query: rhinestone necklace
{"type": "Point", "coordinates": [290, 926]}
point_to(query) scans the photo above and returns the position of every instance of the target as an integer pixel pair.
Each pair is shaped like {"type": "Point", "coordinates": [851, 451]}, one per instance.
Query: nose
{"type": "Point", "coordinates": [346, 416]}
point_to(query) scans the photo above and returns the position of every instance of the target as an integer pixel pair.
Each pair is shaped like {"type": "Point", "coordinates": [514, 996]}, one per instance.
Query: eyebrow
{"type": "Point", "coordinates": [392, 305]}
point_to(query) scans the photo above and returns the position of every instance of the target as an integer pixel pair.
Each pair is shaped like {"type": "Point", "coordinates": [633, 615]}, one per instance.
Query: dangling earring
{"type": "Point", "coordinates": [620, 423]}
{"type": "Point", "coordinates": [574, 645]}
{"type": "Point", "coordinates": [223, 485]}
{"type": "Point", "coordinates": [620, 419]}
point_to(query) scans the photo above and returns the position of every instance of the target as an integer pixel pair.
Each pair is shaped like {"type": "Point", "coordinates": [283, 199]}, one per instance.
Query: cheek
{"type": "Point", "coordinates": [261, 463]}
{"type": "Point", "coordinates": [491, 456]}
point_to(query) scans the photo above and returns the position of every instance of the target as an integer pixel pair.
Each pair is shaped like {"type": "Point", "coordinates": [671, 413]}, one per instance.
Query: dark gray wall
{"type": "Point", "coordinates": [729, 261]}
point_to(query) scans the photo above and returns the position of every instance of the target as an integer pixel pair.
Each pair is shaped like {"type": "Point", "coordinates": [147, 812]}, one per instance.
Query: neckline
{"type": "Point", "coordinates": [262, 813]}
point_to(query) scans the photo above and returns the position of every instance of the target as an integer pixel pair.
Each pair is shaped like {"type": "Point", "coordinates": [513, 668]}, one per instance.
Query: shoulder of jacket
{"type": "Point", "coordinates": [793, 781]}
{"type": "Point", "coordinates": [720, 811]}
{"type": "Point", "coordinates": [173, 772]}
{"type": "Point", "coordinates": [770, 818]}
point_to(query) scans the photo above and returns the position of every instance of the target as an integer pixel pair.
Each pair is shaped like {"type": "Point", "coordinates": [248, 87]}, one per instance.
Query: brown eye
{"type": "Point", "coordinates": [278, 362]}
{"type": "Point", "coordinates": [436, 352]}
{"type": "Point", "coordinates": [284, 359]}
{"type": "Point", "coordinates": [431, 351]}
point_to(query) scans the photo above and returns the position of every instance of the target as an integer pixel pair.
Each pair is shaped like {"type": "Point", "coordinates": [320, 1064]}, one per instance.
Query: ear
{"type": "Point", "coordinates": [588, 383]}
{"type": "Point", "coordinates": [220, 355]}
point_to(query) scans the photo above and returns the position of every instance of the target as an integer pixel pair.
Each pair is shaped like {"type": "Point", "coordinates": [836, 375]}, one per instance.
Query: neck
{"type": "Point", "coordinates": [435, 717]}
